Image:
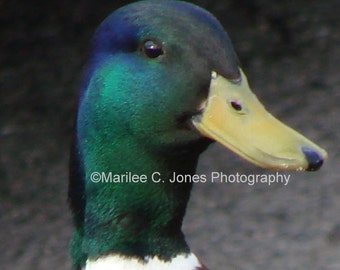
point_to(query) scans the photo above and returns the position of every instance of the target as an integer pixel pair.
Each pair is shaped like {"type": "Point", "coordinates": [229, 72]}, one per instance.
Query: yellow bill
{"type": "Point", "coordinates": [234, 117]}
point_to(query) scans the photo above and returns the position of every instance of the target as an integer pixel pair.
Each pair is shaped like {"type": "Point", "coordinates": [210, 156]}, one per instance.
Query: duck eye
{"type": "Point", "coordinates": [236, 105]}
{"type": "Point", "coordinates": [152, 48]}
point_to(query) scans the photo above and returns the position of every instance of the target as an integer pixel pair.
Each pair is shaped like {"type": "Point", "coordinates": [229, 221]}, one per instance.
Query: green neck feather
{"type": "Point", "coordinates": [134, 219]}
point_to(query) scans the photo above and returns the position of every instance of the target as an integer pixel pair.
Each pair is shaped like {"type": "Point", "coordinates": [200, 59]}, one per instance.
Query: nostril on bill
{"type": "Point", "coordinates": [314, 159]}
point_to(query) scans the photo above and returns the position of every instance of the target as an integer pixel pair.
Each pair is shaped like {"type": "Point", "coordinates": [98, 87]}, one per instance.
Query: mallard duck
{"type": "Point", "coordinates": [162, 82]}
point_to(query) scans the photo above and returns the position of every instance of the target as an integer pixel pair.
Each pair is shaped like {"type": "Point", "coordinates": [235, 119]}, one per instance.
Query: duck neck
{"type": "Point", "coordinates": [132, 207]}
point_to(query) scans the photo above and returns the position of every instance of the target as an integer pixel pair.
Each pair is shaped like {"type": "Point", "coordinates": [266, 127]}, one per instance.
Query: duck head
{"type": "Point", "coordinates": [162, 82]}
{"type": "Point", "coordinates": [166, 73]}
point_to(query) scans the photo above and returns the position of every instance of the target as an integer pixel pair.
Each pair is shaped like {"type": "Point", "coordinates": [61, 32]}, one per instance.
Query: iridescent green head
{"type": "Point", "coordinates": [150, 69]}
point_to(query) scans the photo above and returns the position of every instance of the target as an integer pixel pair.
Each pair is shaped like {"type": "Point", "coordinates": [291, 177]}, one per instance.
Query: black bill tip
{"type": "Point", "coordinates": [314, 159]}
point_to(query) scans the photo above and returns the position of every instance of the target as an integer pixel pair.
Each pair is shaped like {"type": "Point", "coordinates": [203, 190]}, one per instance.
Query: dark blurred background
{"type": "Point", "coordinates": [290, 51]}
